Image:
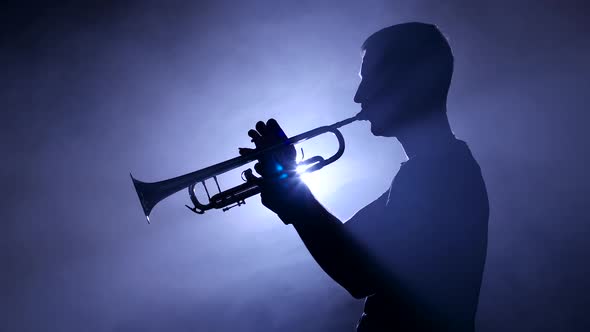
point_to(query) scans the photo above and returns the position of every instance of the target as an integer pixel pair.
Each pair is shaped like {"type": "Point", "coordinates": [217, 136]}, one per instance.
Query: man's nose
{"type": "Point", "coordinates": [359, 96]}
{"type": "Point", "coordinates": [356, 98]}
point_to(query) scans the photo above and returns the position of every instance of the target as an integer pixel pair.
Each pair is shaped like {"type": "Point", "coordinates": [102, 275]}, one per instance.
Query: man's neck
{"type": "Point", "coordinates": [428, 136]}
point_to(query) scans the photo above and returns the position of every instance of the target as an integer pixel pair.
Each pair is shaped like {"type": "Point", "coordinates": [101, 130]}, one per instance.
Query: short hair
{"type": "Point", "coordinates": [412, 44]}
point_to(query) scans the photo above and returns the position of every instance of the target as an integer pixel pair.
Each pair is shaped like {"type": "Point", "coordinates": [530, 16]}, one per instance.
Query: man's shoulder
{"type": "Point", "coordinates": [440, 181]}
{"type": "Point", "coordinates": [455, 160]}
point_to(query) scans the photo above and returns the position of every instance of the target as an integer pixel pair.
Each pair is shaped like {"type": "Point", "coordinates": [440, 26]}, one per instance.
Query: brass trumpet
{"type": "Point", "coordinates": [150, 193]}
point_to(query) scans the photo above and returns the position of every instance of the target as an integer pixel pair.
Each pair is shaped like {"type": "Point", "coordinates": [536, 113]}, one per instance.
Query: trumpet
{"type": "Point", "coordinates": [151, 193]}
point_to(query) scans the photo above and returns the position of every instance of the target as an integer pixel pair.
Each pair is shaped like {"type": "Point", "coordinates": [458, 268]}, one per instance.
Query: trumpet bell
{"type": "Point", "coordinates": [149, 195]}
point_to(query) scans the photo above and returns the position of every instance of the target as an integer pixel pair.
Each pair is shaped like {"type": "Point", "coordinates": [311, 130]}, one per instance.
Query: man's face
{"type": "Point", "coordinates": [381, 95]}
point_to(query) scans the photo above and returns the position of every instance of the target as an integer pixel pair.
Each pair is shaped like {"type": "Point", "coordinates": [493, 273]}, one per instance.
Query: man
{"type": "Point", "coordinates": [417, 252]}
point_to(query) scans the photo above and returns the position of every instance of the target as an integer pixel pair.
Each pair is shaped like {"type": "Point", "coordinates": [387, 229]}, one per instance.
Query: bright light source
{"type": "Point", "coordinates": [301, 169]}
{"type": "Point", "coordinates": [305, 177]}
{"type": "Point", "coordinates": [318, 182]}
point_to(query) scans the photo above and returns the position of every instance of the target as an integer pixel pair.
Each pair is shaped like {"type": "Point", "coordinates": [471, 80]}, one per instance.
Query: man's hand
{"type": "Point", "coordinates": [282, 191]}
{"type": "Point", "coordinates": [281, 161]}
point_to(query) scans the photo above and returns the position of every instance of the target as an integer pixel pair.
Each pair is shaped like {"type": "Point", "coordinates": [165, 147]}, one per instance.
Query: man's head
{"type": "Point", "coordinates": [405, 76]}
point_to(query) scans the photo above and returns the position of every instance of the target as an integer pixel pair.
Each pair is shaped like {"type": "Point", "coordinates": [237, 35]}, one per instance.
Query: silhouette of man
{"type": "Point", "coordinates": [417, 252]}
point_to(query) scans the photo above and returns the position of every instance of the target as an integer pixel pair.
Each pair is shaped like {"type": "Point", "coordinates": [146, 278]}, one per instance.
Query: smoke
{"type": "Point", "coordinates": [93, 92]}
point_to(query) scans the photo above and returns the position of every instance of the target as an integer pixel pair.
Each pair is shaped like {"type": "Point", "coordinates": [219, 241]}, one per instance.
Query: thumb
{"type": "Point", "coordinates": [249, 176]}
{"type": "Point", "coordinates": [245, 151]}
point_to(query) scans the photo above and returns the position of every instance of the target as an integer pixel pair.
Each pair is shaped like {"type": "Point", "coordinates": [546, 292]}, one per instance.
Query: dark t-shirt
{"type": "Point", "coordinates": [428, 233]}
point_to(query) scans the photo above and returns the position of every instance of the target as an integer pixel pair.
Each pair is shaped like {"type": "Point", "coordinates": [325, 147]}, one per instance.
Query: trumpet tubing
{"type": "Point", "coordinates": [151, 193]}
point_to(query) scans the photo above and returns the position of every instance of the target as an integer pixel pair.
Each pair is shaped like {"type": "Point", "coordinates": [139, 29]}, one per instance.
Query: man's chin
{"type": "Point", "coordinates": [377, 130]}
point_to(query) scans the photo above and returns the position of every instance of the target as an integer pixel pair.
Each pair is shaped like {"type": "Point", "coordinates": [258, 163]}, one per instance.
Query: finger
{"type": "Point", "coordinates": [261, 127]}
{"type": "Point", "coordinates": [272, 126]}
{"type": "Point", "coordinates": [245, 151]}
{"type": "Point", "coordinates": [258, 169]}
{"type": "Point", "coordinates": [251, 177]}
{"type": "Point", "coordinates": [254, 135]}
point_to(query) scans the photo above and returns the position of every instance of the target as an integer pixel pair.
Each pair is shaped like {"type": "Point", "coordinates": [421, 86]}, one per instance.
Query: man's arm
{"type": "Point", "coordinates": [326, 238]}
{"type": "Point", "coordinates": [333, 247]}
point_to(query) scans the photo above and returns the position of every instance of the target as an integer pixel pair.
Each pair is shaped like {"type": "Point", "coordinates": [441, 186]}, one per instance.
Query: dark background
{"type": "Point", "coordinates": [92, 91]}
